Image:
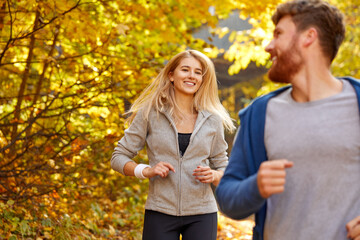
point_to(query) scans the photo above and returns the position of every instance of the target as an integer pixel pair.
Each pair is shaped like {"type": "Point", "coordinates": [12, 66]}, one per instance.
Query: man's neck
{"type": "Point", "coordinates": [314, 85]}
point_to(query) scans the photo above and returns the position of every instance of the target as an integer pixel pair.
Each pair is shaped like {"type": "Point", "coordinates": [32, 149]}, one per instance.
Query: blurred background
{"type": "Point", "coordinates": [69, 69]}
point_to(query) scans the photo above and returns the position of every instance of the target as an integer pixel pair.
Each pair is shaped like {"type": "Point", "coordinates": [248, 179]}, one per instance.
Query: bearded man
{"type": "Point", "coordinates": [295, 161]}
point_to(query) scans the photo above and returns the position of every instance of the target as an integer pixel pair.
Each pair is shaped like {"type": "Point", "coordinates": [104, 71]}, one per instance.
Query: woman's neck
{"type": "Point", "coordinates": [185, 105]}
{"type": "Point", "coordinates": [187, 115]}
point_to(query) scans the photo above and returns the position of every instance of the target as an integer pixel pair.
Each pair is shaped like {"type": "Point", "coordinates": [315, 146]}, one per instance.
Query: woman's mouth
{"type": "Point", "coordinates": [190, 83]}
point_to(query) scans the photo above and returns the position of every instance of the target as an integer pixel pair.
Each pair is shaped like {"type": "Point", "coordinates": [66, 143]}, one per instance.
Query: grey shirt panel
{"type": "Point", "coordinates": [322, 190]}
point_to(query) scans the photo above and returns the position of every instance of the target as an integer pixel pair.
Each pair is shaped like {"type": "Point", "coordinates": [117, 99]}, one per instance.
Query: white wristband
{"type": "Point", "coordinates": [138, 170]}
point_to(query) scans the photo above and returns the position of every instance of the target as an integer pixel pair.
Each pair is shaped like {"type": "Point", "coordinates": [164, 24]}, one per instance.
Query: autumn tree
{"type": "Point", "coordinates": [69, 69]}
{"type": "Point", "coordinates": [248, 45]}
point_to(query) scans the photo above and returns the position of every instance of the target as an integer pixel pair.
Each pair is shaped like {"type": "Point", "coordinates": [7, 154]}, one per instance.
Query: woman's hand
{"type": "Point", "coordinates": [160, 169]}
{"type": "Point", "coordinates": [207, 175]}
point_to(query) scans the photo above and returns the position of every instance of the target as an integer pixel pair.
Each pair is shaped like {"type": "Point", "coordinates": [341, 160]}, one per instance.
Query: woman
{"type": "Point", "coordinates": [180, 119]}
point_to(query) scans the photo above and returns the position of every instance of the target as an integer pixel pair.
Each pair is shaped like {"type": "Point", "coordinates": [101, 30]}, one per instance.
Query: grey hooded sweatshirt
{"type": "Point", "coordinates": [179, 194]}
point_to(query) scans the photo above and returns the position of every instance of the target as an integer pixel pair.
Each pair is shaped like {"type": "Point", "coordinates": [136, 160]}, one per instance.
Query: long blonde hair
{"type": "Point", "coordinates": [160, 93]}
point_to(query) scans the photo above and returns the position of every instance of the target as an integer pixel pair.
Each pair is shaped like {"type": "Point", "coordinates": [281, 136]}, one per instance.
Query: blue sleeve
{"type": "Point", "coordinates": [237, 194]}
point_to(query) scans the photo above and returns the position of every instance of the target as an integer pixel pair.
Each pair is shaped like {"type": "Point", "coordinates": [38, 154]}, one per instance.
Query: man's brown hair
{"type": "Point", "coordinates": [327, 20]}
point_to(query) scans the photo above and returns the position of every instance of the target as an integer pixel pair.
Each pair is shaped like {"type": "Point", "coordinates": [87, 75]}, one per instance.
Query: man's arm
{"type": "Point", "coordinates": [271, 177]}
{"type": "Point", "coordinates": [237, 193]}
{"type": "Point", "coordinates": [241, 193]}
{"type": "Point", "coordinates": [353, 228]}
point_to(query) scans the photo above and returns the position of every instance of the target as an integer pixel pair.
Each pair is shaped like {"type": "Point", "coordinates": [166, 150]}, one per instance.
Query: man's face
{"type": "Point", "coordinates": [285, 53]}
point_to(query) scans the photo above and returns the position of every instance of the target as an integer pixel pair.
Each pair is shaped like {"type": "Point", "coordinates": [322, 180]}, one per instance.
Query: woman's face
{"type": "Point", "coordinates": [187, 77]}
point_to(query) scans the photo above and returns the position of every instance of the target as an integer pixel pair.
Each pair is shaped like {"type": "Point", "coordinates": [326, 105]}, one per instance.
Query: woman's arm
{"type": "Point", "coordinates": [162, 169]}
{"type": "Point", "coordinates": [127, 148]}
{"type": "Point", "coordinates": [208, 175]}
{"type": "Point", "coordinates": [129, 168]}
{"type": "Point", "coordinates": [218, 157]}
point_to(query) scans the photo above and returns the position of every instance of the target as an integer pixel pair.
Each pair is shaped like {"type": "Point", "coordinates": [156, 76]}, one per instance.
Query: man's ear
{"type": "Point", "coordinates": [310, 36]}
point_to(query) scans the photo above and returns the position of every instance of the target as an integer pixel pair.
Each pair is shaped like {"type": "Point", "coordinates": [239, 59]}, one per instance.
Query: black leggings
{"type": "Point", "coordinates": [160, 226]}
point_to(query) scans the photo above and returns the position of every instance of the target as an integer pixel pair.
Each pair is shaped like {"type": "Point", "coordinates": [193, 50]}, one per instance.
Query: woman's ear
{"type": "Point", "coordinates": [170, 76]}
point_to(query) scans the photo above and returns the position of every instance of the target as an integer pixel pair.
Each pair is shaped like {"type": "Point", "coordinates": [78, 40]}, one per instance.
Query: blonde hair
{"type": "Point", "coordinates": [160, 93]}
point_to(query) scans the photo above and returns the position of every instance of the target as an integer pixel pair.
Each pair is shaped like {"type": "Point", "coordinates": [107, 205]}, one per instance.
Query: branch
{"type": "Point", "coordinates": [2, 15]}
{"type": "Point", "coordinates": [35, 29]}
{"type": "Point", "coordinates": [24, 80]}
{"type": "Point", "coordinates": [42, 76]}
{"type": "Point", "coordinates": [10, 38]}
{"type": "Point", "coordinates": [49, 22]}
{"type": "Point", "coordinates": [17, 136]}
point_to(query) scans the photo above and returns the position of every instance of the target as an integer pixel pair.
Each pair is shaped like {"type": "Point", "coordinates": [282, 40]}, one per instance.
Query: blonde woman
{"type": "Point", "coordinates": [181, 121]}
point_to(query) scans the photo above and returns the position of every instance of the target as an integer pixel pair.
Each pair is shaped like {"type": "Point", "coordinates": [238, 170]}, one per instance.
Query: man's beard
{"type": "Point", "coordinates": [287, 64]}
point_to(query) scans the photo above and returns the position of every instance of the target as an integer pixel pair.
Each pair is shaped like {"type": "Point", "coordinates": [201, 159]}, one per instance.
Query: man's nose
{"type": "Point", "coordinates": [270, 46]}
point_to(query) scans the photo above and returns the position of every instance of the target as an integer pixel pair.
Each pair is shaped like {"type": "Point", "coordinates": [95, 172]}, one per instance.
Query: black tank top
{"type": "Point", "coordinates": [184, 139]}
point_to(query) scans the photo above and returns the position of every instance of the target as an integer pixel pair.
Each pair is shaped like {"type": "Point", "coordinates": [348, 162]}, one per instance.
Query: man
{"type": "Point", "coordinates": [295, 161]}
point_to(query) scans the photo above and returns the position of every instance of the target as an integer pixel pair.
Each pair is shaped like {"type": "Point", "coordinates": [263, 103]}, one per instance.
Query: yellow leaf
{"type": "Point", "coordinates": [121, 28]}
{"type": "Point", "coordinates": [112, 230]}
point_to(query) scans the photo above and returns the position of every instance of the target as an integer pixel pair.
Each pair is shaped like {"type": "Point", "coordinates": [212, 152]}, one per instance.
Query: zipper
{"type": "Point", "coordinates": [197, 127]}
{"type": "Point", "coordinates": [179, 187]}
{"type": "Point", "coordinates": [178, 210]}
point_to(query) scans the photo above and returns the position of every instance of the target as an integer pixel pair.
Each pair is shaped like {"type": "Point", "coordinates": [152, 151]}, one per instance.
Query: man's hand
{"type": "Point", "coordinates": [271, 177]}
{"type": "Point", "coordinates": [353, 229]}
{"type": "Point", "coordinates": [161, 169]}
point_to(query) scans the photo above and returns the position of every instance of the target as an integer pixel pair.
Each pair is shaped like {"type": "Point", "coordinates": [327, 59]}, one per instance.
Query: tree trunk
{"type": "Point", "coordinates": [2, 15]}
{"type": "Point", "coordinates": [41, 79]}
{"type": "Point", "coordinates": [26, 74]}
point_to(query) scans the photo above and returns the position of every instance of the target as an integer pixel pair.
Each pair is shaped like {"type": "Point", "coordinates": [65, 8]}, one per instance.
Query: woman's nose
{"type": "Point", "coordinates": [191, 74]}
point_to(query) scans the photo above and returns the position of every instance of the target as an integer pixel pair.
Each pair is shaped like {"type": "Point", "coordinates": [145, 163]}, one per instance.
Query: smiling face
{"type": "Point", "coordinates": [285, 53]}
{"type": "Point", "coordinates": [187, 77]}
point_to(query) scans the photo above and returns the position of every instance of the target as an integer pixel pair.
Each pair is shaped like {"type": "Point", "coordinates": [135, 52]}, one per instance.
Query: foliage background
{"type": "Point", "coordinates": [68, 71]}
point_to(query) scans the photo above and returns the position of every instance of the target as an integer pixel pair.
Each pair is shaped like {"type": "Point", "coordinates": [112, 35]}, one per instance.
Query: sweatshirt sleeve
{"type": "Point", "coordinates": [218, 158]}
{"type": "Point", "coordinates": [128, 146]}
{"type": "Point", "coordinates": [237, 194]}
